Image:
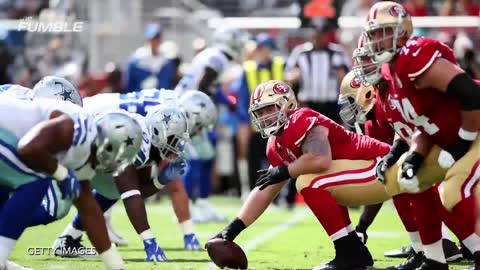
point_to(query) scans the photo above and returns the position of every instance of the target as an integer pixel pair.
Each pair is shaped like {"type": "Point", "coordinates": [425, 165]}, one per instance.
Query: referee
{"type": "Point", "coordinates": [318, 67]}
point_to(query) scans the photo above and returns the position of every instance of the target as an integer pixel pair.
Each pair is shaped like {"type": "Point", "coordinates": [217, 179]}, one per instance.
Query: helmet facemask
{"type": "Point", "coordinates": [365, 68]}
{"type": "Point", "coordinates": [270, 122]}
{"type": "Point", "coordinates": [352, 111]}
{"type": "Point", "coordinates": [390, 32]}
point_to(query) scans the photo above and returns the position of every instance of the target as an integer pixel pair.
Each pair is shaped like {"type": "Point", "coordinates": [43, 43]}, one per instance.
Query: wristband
{"type": "Point", "coordinates": [234, 229]}
{"type": "Point", "coordinates": [130, 193]}
{"type": "Point", "coordinates": [187, 227]}
{"type": "Point", "coordinates": [112, 259]}
{"type": "Point", "coordinates": [60, 173]}
{"type": "Point", "coordinates": [147, 234]}
{"type": "Point", "coordinates": [467, 135]}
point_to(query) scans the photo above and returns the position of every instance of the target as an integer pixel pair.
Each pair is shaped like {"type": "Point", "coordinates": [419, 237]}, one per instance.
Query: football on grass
{"type": "Point", "coordinates": [227, 254]}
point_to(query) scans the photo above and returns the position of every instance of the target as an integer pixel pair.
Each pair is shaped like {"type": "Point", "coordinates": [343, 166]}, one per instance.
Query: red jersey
{"type": "Point", "coordinates": [374, 130]}
{"type": "Point", "coordinates": [429, 110]}
{"type": "Point", "coordinates": [286, 147]}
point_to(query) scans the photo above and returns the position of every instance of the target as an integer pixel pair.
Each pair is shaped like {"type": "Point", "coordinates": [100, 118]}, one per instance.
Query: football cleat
{"type": "Point", "coordinates": [413, 261]}
{"type": "Point", "coordinates": [403, 252]}
{"type": "Point", "coordinates": [350, 254]}
{"type": "Point", "coordinates": [432, 265]}
{"type": "Point", "coordinates": [209, 213]}
{"type": "Point", "coordinates": [68, 247]}
{"type": "Point", "coordinates": [452, 253]}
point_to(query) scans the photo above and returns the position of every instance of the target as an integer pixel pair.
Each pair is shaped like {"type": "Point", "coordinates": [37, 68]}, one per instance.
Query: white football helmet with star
{"type": "Point", "coordinates": [57, 88]}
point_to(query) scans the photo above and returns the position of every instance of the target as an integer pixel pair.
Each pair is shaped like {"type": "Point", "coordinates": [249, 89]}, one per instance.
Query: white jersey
{"type": "Point", "coordinates": [20, 116]}
{"type": "Point", "coordinates": [16, 91]}
{"type": "Point", "coordinates": [210, 57]}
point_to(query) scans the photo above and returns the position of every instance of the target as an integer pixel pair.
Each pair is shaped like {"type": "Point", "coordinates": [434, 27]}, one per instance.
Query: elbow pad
{"type": "Point", "coordinates": [467, 90]}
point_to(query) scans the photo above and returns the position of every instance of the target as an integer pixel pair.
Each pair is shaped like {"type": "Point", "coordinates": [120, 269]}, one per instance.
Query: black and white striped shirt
{"type": "Point", "coordinates": [318, 82]}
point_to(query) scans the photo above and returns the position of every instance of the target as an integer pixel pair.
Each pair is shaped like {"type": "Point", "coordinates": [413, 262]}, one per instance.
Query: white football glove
{"type": "Point", "coordinates": [445, 160]}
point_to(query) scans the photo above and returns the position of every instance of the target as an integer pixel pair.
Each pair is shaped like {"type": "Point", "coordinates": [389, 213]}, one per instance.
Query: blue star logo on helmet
{"type": "Point", "coordinates": [167, 118]}
{"type": "Point", "coordinates": [65, 94]}
{"type": "Point", "coordinates": [129, 141]}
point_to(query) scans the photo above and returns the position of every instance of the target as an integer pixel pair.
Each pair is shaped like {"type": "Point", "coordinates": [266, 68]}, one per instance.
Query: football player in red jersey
{"type": "Point", "coordinates": [430, 91]}
{"type": "Point", "coordinates": [302, 144]}
{"type": "Point", "coordinates": [359, 104]}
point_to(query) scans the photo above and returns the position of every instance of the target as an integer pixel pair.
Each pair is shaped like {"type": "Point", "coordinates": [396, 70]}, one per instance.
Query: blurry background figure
{"type": "Point", "coordinates": [318, 67]}
{"type": "Point", "coordinates": [148, 67]}
{"type": "Point", "coordinates": [114, 79]}
{"type": "Point", "coordinates": [198, 45]}
{"type": "Point", "coordinates": [251, 146]}
{"type": "Point", "coordinates": [206, 73]}
{"type": "Point", "coordinates": [464, 52]}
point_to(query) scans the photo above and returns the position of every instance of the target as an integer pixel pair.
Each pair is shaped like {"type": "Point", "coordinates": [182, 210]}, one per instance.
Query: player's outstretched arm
{"type": "Point", "coordinates": [128, 186]}
{"type": "Point", "coordinates": [256, 203]}
{"type": "Point", "coordinates": [179, 199]}
{"type": "Point", "coordinates": [92, 220]}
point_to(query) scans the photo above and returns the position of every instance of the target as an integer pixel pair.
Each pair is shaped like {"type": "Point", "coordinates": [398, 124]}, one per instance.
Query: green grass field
{"type": "Point", "coordinates": [281, 239]}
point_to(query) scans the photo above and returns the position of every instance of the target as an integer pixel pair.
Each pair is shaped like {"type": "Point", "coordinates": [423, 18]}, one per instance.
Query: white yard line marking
{"type": "Point", "coordinates": [297, 218]}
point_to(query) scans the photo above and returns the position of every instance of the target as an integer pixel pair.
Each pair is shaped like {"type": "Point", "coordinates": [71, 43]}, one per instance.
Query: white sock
{"type": "Point", "coordinates": [201, 202]}
{"type": "Point", "coordinates": [6, 247]}
{"type": "Point", "coordinates": [108, 214]}
{"type": "Point", "coordinates": [242, 165]}
{"type": "Point", "coordinates": [435, 251]}
{"type": "Point", "coordinates": [415, 241]}
{"type": "Point", "coordinates": [340, 234]}
{"type": "Point", "coordinates": [112, 258]}
{"type": "Point", "coordinates": [350, 228]}
{"type": "Point", "coordinates": [472, 242]}
{"type": "Point", "coordinates": [445, 233]}
{"type": "Point", "coordinates": [70, 230]}
{"type": "Point", "coordinates": [187, 227]}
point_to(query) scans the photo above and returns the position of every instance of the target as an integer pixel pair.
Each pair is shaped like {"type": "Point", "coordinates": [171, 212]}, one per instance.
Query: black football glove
{"type": "Point", "coordinates": [272, 176]}
{"type": "Point", "coordinates": [230, 232]}
{"type": "Point", "coordinates": [398, 148]}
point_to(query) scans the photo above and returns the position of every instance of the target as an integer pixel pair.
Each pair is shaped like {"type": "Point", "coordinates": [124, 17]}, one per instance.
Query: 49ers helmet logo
{"type": "Point", "coordinates": [398, 11]}
{"type": "Point", "coordinates": [280, 88]}
{"type": "Point", "coordinates": [355, 83]}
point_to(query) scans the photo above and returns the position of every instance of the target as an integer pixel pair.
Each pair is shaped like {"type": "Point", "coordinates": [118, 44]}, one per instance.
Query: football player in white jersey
{"type": "Point", "coordinates": [208, 66]}
{"type": "Point", "coordinates": [142, 102]}
{"type": "Point", "coordinates": [203, 74]}
{"type": "Point", "coordinates": [71, 145]}
{"type": "Point", "coordinates": [168, 125]}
